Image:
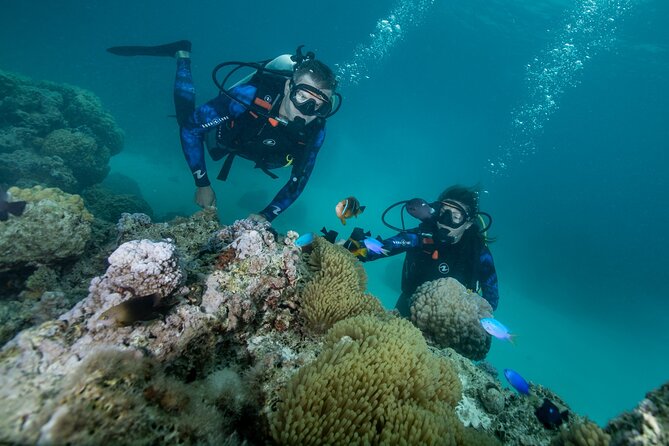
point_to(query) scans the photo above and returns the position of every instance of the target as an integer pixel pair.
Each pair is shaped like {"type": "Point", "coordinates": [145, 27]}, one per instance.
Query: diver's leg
{"type": "Point", "coordinates": [166, 50]}
{"type": "Point", "coordinates": [184, 90]}
{"type": "Point", "coordinates": [403, 304]}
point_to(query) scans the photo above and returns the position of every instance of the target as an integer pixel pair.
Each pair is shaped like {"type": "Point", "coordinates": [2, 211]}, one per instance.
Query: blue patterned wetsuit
{"type": "Point", "coordinates": [239, 132]}
{"type": "Point", "coordinates": [469, 261]}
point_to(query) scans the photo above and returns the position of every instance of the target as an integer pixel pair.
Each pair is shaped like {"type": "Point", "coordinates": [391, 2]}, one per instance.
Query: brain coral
{"type": "Point", "coordinates": [448, 315]}
{"type": "Point", "coordinates": [54, 226]}
{"type": "Point", "coordinates": [375, 382]}
{"type": "Point", "coordinates": [337, 290]}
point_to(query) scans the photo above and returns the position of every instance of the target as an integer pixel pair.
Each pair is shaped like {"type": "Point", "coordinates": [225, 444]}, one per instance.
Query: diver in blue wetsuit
{"type": "Point", "coordinates": [274, 117]}
{"type": "Point", "coordinates": [448, 243]}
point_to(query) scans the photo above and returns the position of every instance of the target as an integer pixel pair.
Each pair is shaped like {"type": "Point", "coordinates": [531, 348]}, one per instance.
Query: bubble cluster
{"type": "Point", "coordinates": [589, 29]}
{"type": "Point", "coordinates": [387, 32]}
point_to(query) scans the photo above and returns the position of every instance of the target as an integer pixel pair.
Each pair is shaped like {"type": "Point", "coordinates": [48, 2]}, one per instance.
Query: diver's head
{"type": "Point", "coordinates": [308, 94]}
{"type": "Point", "coordinates": [457, 210]}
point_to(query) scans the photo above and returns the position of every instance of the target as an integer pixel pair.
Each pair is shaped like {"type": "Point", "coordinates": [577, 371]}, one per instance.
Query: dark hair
{"type": "Point", "coordinates": [322, 75]}
{"type": "Point", "coordinates": [469, 196]}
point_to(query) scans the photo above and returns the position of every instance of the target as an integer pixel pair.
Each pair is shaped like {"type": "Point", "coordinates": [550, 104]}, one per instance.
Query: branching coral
{"type": "Point", "coordinates": [337, 290]}
{"type": "Point", "coordinates": [448, 315]}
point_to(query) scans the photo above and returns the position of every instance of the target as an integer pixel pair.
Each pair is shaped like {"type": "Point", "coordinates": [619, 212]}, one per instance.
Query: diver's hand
{"type": "Point", "coordinates": [205, 197]}
{"type": "Point", "coordinates": [257, 218]}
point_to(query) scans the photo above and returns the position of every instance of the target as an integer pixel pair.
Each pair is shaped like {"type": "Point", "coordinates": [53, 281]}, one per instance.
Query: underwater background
{"type": "Point", "coordinates": [558, 109]}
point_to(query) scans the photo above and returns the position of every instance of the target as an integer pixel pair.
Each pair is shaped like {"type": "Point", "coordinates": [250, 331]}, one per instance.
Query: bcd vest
{"type": "Point", "coordinates": [264, 141]}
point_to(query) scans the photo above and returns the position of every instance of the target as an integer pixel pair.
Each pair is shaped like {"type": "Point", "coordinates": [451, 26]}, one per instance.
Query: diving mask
{"type": "Point", "coordinates": [309, 100]}
{"type": "Point", "coordinates": [452, 214]}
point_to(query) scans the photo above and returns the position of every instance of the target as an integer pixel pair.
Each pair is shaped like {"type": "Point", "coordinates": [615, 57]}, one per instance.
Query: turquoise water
{"type": "Point", "coordinates": [557, 108]}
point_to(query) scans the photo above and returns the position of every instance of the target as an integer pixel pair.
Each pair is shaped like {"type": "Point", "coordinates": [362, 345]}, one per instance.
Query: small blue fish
{"type": "Point", "coordinates": [497, 329]}
{"type": "Point", "coordinates": [517, 381]}
{"type": "Point", "coordinates": [304, 240]}
{"type": "Point", "coordinates": [374, 246]}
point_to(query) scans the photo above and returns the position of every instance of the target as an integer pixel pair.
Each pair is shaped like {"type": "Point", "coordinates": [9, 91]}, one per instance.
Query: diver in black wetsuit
{"type": "Point", "coordinates": [275, 118]}
{"type": "Point", "coordinates": [448, 243]}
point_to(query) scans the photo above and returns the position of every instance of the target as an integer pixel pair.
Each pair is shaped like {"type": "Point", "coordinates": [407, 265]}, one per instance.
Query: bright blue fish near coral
{"type": "Point", "coordinates": [374, 246]}
{"type": "Point", "coordinates": [305, 240]}
{"type": "Point", "coordinates": [517, 381]}
{"type": "Point", "coordinates": [497, 329]}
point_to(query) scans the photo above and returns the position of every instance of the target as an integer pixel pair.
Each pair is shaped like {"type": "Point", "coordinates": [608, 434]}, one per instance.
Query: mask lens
{"type": "Point", "coordinates": [310, 101]}
{"type": "Point", "coordinates": [451, 216]}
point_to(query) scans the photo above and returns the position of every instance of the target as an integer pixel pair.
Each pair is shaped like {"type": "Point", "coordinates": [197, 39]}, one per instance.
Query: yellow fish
{"type": "Point", "coordinates": [347, 208]}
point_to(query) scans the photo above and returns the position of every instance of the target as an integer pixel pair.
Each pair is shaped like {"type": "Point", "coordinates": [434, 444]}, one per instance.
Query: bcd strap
{"type": "Point", "coordinates": [227, 164]}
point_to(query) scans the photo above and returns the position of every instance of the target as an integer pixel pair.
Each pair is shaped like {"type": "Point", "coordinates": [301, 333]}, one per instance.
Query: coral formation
{"type": "Point", "coordinates": [582, 433]}
{"type": "Point", "coordinates": [146, 267]}
{"type": "Point", "coordinates": [54, 226]}
{"type": "Point", "coordinates": [105, 204]}
{"type": "Point", "coordinates": [647, 424]}
{"type": "Point", "coordinates": [24, 168]}
{"type": "Point", "coordinates": [337, 290]}
{"type": "Point", "coordinates": [54, 125]}
{"type": "Point", "coordinates": [88, 161]}
{"type": "Point", "coordinates": [449, 315]}
{"type": "Point", "coordinates": [258, 287]}
{"type": "Point", "coordinates": [228, 359]}
{"type": "Point", "coordinates": [374, 382]}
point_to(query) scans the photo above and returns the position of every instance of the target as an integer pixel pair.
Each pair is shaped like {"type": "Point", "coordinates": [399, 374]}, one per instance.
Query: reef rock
{"type": "Point", "coordinates": [54, 226]}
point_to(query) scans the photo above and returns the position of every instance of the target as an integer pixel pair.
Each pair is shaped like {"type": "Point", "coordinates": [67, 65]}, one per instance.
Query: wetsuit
{"type": "Point", "coordinates": [469, 261]}
{"type": "Point", "coordinates": [241, 132]}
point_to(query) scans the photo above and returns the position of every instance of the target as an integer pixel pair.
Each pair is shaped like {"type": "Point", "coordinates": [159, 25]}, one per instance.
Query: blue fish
{"type": "Point", "coordinates": [374, 246]}
{"type": "Point", "coordinates": [517, 381]}
{"type": "Point", "coordinates": [497, 329]}
{"type": "Point", "coordinates": [305, 240]}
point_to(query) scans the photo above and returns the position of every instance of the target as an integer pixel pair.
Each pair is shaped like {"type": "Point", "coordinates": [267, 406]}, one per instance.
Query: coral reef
{"type": "Point", "coordinates": [258, 288]}
{"type": "Point", "coordinates": [647, 424]}
{"type": "Point", "coordinates": [229, 359]}
{"type": "Point", "coordinates": [55, 226]}
{"type": "Point", "coordinates": [88, 161]}
{"type": "Point", "coordinates": [24, 168]}
{"type": "Point", "coordinates": [337, 290]}
{"type": "Point", "coordinates": [449, 315]}
{"type": "Point", "coordinates": [583, 433]}
{"type": "Point", "coordinates": [54, 125]}
{"type": "Point", "coordinates": [374, 383]}
{"type": "Point", "coordinates": [105, 204]}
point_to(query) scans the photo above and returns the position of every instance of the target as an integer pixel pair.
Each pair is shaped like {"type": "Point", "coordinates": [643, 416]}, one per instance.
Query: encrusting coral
{"type": "Point", "coordinates": [337, 289]}
{"type": "Point", "coordinates": [449, 316]}
{"type": "Point", "coordinates": [375, 382]}
{"type": "Point", "coordinates": [54, 226]}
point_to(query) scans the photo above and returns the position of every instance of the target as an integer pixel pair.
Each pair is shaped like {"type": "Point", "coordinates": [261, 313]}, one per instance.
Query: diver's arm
{"type": "Point", "coordinates": [488, 277]}
{"type": "Point", "coordinates": [394, 245]}
{"type": "Point", "coordinates": [299, 176]}
{"type": "Point", "coordinates": [207, 117]}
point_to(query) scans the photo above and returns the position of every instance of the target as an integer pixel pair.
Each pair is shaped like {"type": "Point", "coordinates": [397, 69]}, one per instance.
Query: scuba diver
{"type": "Point", "coordinates": [450, 241]}
{"type": "Point", "coordinates": [274, 117]}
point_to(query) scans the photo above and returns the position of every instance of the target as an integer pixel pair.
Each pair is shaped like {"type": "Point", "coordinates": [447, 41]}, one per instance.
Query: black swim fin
{"type": "Point", "coordinates": [167, 50]}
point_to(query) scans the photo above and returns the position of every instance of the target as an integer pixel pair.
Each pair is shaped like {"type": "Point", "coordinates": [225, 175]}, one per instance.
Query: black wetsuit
{"type": "Point", "coordinates": [469, 261]}
{"type": "Point", "coordinates": [241, 132]}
